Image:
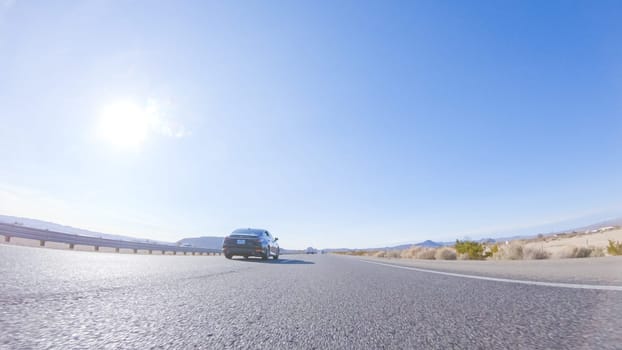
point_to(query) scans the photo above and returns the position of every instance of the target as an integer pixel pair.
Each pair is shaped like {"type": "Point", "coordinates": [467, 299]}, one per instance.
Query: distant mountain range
{"type": "Point", "coordinates": [46, 225]}
{"type": "Point", "coordinates": [610, 222]}
{"type": "Point", "coordinates": [433, 244]}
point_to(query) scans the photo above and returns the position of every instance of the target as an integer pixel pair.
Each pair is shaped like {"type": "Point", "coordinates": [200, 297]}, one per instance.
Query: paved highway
{"type": "Point", "coordinates": [64, 299]}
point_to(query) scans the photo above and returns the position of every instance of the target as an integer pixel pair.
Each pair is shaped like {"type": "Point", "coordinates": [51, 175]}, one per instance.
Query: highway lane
{"type": "Point", "coordinates": [63, 299]}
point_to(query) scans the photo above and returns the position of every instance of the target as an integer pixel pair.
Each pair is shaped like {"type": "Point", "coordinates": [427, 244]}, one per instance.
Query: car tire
{"type": "Point", "coordinates": [266, 255]}
{"type": "Point", "coordinates": [276, 257]}
{"type": "Point", "coordinates": [228, 256]}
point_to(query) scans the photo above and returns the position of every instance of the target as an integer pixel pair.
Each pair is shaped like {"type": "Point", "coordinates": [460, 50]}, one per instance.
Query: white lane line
{"type": "Point", "coordinates": [507, 280]}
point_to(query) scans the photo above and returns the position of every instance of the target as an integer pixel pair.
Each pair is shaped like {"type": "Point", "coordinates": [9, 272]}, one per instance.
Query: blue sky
{"type": "Point", "coordinates": [331, 124]}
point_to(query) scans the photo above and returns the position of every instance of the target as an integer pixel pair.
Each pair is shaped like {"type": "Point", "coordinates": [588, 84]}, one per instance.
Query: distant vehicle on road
{"type": "Point", "coordinates": [311, 250]}
{"type": "Point", "coordinates": [251, 242]}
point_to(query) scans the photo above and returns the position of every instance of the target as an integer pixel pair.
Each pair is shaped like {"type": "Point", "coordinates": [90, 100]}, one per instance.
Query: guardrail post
{"type": "Point", "coordinates": [174, 252]}
{"type": "Point", "coordinates": [7, 239]}
{"type": "Point", "coordinates": [116, 250]}
{"type": "Point", "coordinates": [150, 251]}
{"type": "Point", "coordinates": [96, 248]}
{"type": "Point", "coordinates": [184, 253]}
{"type": "Point", "coordinates": [71, 246]}
{"type": "Point", "coordinates": [135, 250]}
{"type": "Point", "coordinates": [41, 243]}
{"type": "Point", "coordinates": [163, 252]}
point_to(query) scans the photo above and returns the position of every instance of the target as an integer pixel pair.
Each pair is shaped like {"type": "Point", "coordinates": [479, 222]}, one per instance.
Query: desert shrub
{"type": "Point", "coordinates": [379, 254]}
{"type": "Point", "coordinates": [494, 249]}
{"type": "Point", "coordinates": [614, 248]}
{"type": "Point", "coordinates": [512, 251]}
{"type": "Point", "coordinates": [583, 252]}
{"type": "Point", "coordinates": [570, 252]}
{"type": "Point", "coordinates": [515, 251]}
{"type": "Point", "coordinates": [416, 252]}
{"type": "Point", "coordinates": [410, 253]}
{"type": "Point", "coordinates": [445, 254]}
{"type": "Point", "coordinates": [566, 252]}
{"type": "Point", "coordinates": [426, 253]}
{"type": "Point", "coordinates": [393, 254]}
{"type": "Point", "coordinates": [535, 253]}
{"type": "Point", "coordinates": [474, 250]}
{"type": "Point", "coordinates": [597, 252]}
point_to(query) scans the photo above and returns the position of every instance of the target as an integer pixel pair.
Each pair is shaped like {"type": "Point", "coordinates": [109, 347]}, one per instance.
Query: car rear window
{"type": "Point", "coordinates": [245, 234]}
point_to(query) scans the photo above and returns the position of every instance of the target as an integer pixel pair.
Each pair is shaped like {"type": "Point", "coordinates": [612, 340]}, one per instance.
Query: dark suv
{"type": "Point", "coordinates": [251, 242]}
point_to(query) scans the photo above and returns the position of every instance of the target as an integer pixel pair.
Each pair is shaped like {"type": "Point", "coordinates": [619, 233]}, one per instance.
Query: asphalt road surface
{"type": "Point", "coordinates": [82, 300]}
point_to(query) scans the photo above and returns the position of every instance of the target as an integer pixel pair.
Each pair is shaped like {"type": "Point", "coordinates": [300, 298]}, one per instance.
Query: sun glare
{"type": "Point", "coordinates": [124, 125]}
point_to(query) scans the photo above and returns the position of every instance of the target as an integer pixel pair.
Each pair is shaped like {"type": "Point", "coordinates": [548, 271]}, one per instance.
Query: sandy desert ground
{"type": "Point", "coordinates": [559, 245]}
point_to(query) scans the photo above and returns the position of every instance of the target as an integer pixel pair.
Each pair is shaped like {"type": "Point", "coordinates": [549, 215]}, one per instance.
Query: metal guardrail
{"type": "Point", "coordinates": [8, 231]}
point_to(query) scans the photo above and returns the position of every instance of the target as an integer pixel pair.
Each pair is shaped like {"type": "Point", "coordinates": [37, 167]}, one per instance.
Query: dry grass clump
{"type": "Point", "coordinates": [535, 253]}
{"type": "Point", "coordinates": [512, 251]}
{"type": "Point", "coordinates": [597, 253]}
{"type": "Point", "coordinates": [566, 252]}
{"type": "Point", "coordinates": [379, 254]}
{"type": "Point", "coordinates": [426, 253]}
{"type": "Point", "coordinates": [416, 252]}
{"type": "Point", "coordinates": [445, 253]}
{"type": "Point", "coordinates": [374, 253]}
{"type": "Point", "coordinates": [517, 250]}
{"type": "Point", "coordinates": [409, 253]}
{"type": "Point", "coordinates": [570, 252]}
{"type": "Point", "coordinates": [583, 252]}
{"type": "Point", "coordinates": [392, 254]}
{"type": "Point", "coordinates": [358, 253]}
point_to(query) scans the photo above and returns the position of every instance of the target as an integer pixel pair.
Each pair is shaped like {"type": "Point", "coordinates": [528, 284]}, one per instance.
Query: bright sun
{"type": "Point", "coordinates": [124, 124]}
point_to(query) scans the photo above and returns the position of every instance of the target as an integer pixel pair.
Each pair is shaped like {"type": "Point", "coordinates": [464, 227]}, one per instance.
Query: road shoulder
{"type": "Point", "coordinates": [591, 271]}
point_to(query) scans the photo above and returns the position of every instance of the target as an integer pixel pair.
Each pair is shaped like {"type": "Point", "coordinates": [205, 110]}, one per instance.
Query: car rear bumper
{"type": "Point", "coordinates": [244, 251]}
